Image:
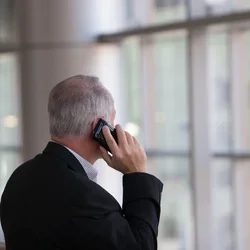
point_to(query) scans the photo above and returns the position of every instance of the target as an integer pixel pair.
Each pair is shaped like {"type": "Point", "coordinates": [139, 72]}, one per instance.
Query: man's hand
{"type": "Point", "coordinates": [128, 155]}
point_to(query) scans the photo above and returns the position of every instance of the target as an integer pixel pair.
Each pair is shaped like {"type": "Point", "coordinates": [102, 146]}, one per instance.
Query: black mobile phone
{"type": "Point", "coordinates": [98, 135]}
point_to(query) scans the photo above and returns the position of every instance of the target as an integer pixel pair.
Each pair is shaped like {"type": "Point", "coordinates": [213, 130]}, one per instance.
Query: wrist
{"type": "Point", "coordinates": [134, 171]}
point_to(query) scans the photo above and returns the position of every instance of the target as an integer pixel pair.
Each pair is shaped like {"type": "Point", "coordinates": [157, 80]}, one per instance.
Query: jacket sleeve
{"type": "Point", "coordinates": [134, 227]}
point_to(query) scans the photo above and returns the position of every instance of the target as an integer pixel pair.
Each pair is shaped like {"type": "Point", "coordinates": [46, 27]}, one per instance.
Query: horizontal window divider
{"type": "Point", "coordinates": [152, 153]}
{"type": "Point", "coordinates": [184, 24]}
{"type": "Point", "coordinates": [8, 148]}
{"type": "Point", "coordinates": [8, 48]}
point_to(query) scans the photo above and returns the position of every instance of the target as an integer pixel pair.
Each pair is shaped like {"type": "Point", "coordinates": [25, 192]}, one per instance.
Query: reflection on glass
{"type": "Point", "coordinates": [10, 121]}
{"type": "Point", "coordinates": [218, 76]}
{"type": "Point", "coordinates": [132, 128]}
{"type": "Point", "coordinates": [223, 212]}
{"type": "Point", "coordinates": [176, 227]}
{"type": "Point", "coordinates": [10, 134]}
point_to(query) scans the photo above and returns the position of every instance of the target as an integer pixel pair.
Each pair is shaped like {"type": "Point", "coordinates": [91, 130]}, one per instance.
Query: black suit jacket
{"type": "Point", "coordinates": [49, 203]}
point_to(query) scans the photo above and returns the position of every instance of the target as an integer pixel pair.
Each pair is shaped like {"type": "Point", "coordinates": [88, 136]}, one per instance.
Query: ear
{"type": "Point", "coordinates": [94, 123]}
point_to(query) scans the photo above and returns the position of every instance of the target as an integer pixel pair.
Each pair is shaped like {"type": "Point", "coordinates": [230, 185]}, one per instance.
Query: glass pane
{"type": "Point", "coordinates": [242, 186]}
{"type": "Point", "coordinates": [10, 130]}
{"type": "Point", "coordinates": [226, 6]}
{"type": "Point", "coordinates": [167, 92]}
{"type": "Point", "coordinates": [223, 210]}
{"type": "Point", "coordinates": [219, 78]}
{"type": "Point", "coordinates": [228, 72]}
{"type": "Point", "coordinates": [218, 7]}
{"type": "Point", "coordinates": [146, 12]}
{"type": "Point", "coordinates": [248, 73]}
{"type": "Point", "coordinates": [240, 90]}
{"type": "Point", "coordinates": [8, 31]}
{"type": "Point", "coordinates": [132, 67]}
{"type": "Point", "coordinates": [176, 229]}
{"type": "Point", "coordinates": [169, 11]}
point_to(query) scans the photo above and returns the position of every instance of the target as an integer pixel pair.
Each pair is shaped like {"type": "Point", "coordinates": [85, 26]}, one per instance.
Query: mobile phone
{"type": "Point", "coordinates": [98, 135]}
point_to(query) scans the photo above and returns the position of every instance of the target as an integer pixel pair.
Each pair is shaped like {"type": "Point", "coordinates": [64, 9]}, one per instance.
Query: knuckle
{"type": "Point", "coordinates": [127, 151]}
{"type": "Point", "coordinates": [109, 140]}
{"type": "Point", "coordinates": [129, 135]}
{"type": "Point", "coordinates": [118, 156]}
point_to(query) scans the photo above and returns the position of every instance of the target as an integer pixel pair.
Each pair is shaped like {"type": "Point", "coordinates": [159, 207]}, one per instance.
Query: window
{"type": "Point", "coordinates": [146, 12]}
{"type": "Point", "coordinates": [166, 3]}
{"type": "Point", "coordinates": [157, 84]}
{"type": "Point", "coordinates": [172, 76]}
{"type": "Point", "coordinates": [10, 119]}
{"type": "Point", "coordinates": [218, 44]}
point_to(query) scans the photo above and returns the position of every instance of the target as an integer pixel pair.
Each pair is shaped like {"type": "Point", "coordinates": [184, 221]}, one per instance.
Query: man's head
{"type": "Point", "coordinates": [75, 106]}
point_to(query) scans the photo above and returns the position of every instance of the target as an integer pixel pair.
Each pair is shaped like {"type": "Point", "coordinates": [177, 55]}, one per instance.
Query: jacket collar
{"type": "Point", "coordinates": [64, 154]}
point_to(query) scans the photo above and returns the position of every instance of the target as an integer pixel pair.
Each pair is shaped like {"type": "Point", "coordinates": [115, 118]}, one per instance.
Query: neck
{"type": "Point", "coordinates": [84, 147]}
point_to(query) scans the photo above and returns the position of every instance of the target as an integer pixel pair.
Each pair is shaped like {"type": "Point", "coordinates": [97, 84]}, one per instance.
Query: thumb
{"type": "Point", "coordinates": [105, 156]}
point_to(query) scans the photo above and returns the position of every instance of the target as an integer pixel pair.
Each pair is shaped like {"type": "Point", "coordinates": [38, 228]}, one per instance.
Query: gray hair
{"type": "Point", "coordinates": [75, 103]}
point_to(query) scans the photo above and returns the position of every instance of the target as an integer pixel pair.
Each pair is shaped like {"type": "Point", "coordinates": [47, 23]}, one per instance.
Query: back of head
{"type": "Point", "coordinates": [75, 103]}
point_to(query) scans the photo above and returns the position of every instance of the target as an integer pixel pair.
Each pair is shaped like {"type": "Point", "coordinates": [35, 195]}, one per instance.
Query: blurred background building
{"type": "Point", "coordinates": [179, 71]}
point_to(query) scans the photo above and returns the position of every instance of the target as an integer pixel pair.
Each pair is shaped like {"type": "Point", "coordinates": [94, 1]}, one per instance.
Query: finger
{"type": "Point", "coordinates": [121, 137]}
{"type": "Point", "coordinates": [105, 156]}
{"type": "Point", "coordinates": [109, 139]}
{"type": "Point", "coordinates": [129, 138]}
{"type": "Point", "coordinates": [134, 140]}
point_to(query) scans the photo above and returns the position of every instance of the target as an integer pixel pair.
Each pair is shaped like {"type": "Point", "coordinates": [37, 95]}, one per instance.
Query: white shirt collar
{"type": "Point", "coordinates": [89, 169]}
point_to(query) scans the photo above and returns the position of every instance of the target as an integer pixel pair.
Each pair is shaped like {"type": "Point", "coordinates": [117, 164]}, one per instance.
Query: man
{"type": "Point", "coordinates": [53, 201]}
